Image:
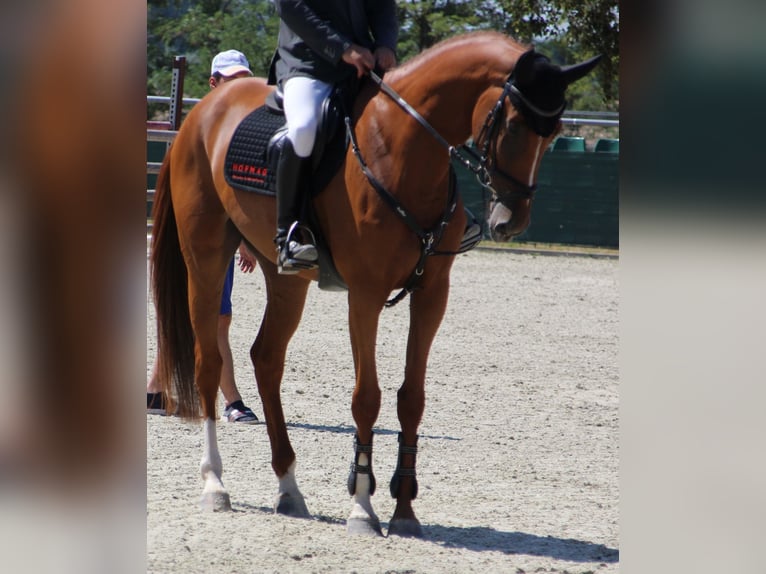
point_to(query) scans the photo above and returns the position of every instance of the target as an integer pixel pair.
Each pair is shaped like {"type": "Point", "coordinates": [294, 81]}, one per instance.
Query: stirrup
{"type": "Point", "coordinates": [295, 256]}
{"type": "Point", "coordinates": [471, 237]}
{"type": "Point", "coordinates": [473, 233]}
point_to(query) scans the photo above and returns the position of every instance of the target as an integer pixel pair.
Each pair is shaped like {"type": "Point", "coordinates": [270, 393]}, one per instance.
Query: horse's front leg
{"type": "Point", "coordinates": [427, 308]}
{"type": "Point", "coordinates": [286, 296]}
{"type": "Point", "coordinates": [365, 406]}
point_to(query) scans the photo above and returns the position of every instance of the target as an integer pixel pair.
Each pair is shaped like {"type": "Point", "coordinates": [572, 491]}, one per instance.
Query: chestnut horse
{"type": "Point", "coordinates": [482, 85]}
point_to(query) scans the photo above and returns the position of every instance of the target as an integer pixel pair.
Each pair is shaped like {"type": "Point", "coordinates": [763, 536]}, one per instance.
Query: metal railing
{"type": "Point", "coordinates": [165, 131]}
{"type": "Point", "coordinates": [167, 100]}
{"type": "Point", "coordinates": [574, 118]}
{"type": "Point", "coordinates": [583, 118]}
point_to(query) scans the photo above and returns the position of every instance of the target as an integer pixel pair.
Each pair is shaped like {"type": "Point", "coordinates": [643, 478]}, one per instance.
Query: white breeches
{"type": "Point", "coordinates": [303, 99]}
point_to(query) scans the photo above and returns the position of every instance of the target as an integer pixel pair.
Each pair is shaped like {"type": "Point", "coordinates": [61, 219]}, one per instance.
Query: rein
{"type": "Point", "coordinates": [478, 164]}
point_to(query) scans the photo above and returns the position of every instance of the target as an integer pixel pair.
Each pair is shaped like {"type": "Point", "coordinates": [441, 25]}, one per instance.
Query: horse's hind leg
{"type": "Point", "coordinates": [286, 296]}
{"type": "Point", "coordinates": [364, 311]}
{"type": "Point", "coordinates": [426, 311]}
{"type": "Point", "coordinates": [206, 267]}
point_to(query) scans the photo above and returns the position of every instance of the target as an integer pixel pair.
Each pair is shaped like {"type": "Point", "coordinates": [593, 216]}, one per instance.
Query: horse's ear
{"type": "Point", "coordinates": [524, 68]}
{"type": "Point", "coordinates": [573, 73]}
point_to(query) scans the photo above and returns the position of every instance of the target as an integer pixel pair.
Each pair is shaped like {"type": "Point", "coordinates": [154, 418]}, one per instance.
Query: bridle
{"type": "Point", "coordinates": [483, 165]}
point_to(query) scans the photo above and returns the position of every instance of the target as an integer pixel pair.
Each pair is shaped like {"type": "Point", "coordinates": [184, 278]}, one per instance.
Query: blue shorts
{"type": "Point", "coordinates": [228, 283]}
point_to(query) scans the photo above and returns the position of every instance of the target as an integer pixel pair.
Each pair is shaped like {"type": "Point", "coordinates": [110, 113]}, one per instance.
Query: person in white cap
{"type": "Point", "coordinates": [226, 66]}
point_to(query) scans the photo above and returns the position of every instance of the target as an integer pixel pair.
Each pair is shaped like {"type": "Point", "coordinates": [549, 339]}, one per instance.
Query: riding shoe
{"type": "Point", "coordinates": [295, 257]}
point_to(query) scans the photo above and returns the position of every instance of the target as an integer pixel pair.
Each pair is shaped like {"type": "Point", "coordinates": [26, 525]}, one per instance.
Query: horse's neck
{"type": "Point", "coordinates": [445, 103]}
{"type": "Point", "coordinates": [445, 87]}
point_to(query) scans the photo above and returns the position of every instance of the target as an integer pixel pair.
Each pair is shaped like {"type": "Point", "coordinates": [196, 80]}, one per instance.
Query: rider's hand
{"type": "Point", "coordinates": [359, 57]}
{"type": "Point", "coordinates": [385, 58]}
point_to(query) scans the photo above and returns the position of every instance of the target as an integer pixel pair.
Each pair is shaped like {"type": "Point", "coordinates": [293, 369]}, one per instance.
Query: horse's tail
{"type": "Point", "coordinates": [175, 338]}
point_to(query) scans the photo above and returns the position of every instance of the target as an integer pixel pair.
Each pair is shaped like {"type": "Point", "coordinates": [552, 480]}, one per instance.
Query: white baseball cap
{"type": "Point", "coordinates": [230, 63]}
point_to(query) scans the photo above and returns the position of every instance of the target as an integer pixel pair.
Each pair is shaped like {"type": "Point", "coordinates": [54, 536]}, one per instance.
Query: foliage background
{"type": "Point", "coordinates": [568, 31]}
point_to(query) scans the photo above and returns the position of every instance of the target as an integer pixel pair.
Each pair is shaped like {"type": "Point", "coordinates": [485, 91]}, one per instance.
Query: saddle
{"type": "Point", "coordinates": [253, 155]}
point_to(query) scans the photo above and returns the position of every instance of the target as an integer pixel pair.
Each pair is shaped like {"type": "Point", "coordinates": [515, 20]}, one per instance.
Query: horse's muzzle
{"type": "Point", "coordinates": [504, 223]}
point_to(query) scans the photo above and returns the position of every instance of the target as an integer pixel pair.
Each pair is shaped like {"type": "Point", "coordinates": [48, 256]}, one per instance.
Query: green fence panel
{"type": "Point", "coordinates": [155, 152]}
{"type": "Point", "coordinates": [569, 143]}
{"type": "Point", "coordinates": [577, 200]}
{"type": "Point", "coordinates": [607, 145]}
{"type": "Point", "coordinates": [472, 193]}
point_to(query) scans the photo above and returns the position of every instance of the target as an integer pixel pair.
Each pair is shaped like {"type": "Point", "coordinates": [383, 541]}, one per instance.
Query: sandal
{"type": "Point", "coordinates": [155, 404]}
{"type": "Point", "coordinates": [237, 412]}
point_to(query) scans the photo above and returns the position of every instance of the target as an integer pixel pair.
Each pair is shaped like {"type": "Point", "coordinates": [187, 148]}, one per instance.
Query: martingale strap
{"type": "Point", "coordinates": [357, 468]}
{"type": "Point", "coordinates": [429, 239]}
{"type": "Point", "coordinates": [401, 471]}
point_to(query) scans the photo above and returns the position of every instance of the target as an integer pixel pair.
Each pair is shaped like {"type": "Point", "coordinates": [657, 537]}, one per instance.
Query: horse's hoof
{"type": "Point", "coordinates": [364, 526]}
{"type": "Point", "coordinates": [215, 502]}
{"type": "Point", "coordinates": [409, 527]}
{"type": "Point", "coordinates": [291, 505]}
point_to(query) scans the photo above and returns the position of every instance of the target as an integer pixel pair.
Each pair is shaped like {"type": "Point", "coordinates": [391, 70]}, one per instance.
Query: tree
{"type": "Point", "coordinates": [594, 28]}
{"type": "Point", "coordinates": [200, 29]}
{"type": "Point", "coordinates": [422, 24]}
{"type": "Point", "coordinates": [578, 29]}
{"type": "Point", "coordinates": [572, 30]}
{"type": "Point", "coordinates": [587, 27]}
{"type": "Point", "coordinates": [524, 20]}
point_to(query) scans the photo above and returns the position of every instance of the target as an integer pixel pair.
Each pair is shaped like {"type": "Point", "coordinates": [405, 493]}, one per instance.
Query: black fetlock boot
{"type": "Point", "coordinates": [296, 252]}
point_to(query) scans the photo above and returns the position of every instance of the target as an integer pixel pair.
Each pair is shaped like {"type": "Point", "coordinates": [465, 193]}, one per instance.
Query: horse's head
{"type": "Point", "coordinates": [518, 128]}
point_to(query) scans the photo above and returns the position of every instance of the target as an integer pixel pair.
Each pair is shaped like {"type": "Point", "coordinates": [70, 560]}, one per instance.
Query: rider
{"type": "Point", "coordinates": [321, 44]}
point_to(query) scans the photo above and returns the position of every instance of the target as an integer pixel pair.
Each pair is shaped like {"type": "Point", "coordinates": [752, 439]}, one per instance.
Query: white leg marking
{"type": "Point", "coordinates": [288, 484]}
{"type": "Point", "coordinates": [214, 495]}
{"type": "Point", "coordinates": [363, 480]}
{"type": "Point", "coordinates": [534, 163]}
{"type": "Point", "coordinates": [289, 500]}
{"type": "Point", "coordinates": [362, 505]}
{"type": "Point", "coordinates": [211, 466]}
